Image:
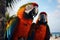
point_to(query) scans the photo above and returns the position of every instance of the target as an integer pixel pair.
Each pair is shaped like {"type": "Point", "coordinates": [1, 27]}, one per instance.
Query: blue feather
{"type": "Point", "coordinates": [10, 30]}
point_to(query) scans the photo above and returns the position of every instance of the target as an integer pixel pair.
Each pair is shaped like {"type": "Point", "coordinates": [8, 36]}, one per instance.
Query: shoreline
{"type": "Point", "coordinates": [53, 38]}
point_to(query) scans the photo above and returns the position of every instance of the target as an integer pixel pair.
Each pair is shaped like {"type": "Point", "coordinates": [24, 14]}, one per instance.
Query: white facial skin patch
{"type": "Point", "coordinates": [28, 8]}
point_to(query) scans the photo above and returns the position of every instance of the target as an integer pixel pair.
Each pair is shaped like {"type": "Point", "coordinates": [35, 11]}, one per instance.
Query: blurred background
{"type": "Point", "coordinates": [9, 8]}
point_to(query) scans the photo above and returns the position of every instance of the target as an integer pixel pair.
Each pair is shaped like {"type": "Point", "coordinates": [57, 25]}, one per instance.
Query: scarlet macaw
{"type": "Point", "coordinates": [40, 30]}
{"type": "Point", "coordinates": [22, 22]}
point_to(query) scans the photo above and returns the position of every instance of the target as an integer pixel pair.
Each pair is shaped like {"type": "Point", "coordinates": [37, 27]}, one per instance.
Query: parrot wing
{"type": "Point", "coordinates": [11, 23]}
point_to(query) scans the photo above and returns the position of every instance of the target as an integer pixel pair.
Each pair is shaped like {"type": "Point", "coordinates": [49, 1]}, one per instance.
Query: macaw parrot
{"type": "Point", "coordinates": [19, 26]}
{"type": "Point", "coordinates": [40, 30]}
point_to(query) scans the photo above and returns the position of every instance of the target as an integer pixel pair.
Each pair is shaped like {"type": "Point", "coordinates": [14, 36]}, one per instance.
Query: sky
{"type": "Point", "coordinates": [51, 7]}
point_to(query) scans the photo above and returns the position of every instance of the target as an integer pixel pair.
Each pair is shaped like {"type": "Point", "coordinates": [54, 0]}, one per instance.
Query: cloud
{"type": "Point", "coordinates": [58, 1]}
{"type": "Point", "coordinates": [54, 21]}
{"type": "Point", "coordinates": [57, 14]}
{"type": "Point", "coordinates": [58, 6]}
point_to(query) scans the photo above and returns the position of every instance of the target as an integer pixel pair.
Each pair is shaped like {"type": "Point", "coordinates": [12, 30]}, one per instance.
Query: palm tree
{"type": "Point", "coordinates": [2, 7]}
{"type": "Point", "coordinates": [2, 15]}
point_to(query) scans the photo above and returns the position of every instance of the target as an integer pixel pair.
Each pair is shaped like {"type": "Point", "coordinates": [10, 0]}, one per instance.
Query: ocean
{"type": "Point", "coordinates": [57, 34]}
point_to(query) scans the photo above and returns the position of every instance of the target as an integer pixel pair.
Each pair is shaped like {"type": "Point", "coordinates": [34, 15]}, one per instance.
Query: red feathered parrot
{"type": "Point", "coordinates": [40, 30]}
{"type": "Point", "coordinates": [22, 22]}
{"type": "Point", "coordinates": [25, 15]}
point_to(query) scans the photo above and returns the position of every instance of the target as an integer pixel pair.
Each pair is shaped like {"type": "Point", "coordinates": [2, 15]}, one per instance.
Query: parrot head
{"type": "Point", "coordinates": [30, 10]}
{"type": "Point", "coordinates": [43, 17]}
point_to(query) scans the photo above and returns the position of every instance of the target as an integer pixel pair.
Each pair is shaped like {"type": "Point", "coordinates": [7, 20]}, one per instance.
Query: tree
{"type": "Point", "coordinates": [2, 15]}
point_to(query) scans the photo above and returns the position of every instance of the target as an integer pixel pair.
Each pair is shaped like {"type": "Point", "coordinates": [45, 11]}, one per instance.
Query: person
{"type": "Point", "coordinates": [24, 19]}
{"type": "Point", "coordinates": [40, 30]}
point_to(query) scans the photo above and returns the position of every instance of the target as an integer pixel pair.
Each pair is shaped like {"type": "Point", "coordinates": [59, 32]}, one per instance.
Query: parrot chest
{"type": "Point", "coordinates": [40, 32]}
{"type": "Point", "coordinates": [24, 27]}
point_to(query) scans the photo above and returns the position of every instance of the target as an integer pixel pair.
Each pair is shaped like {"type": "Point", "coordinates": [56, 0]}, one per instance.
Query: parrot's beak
{"type": "Point", "coordinates": [42, 18]}
{"type": "Point", "coordinates": [31, 11]}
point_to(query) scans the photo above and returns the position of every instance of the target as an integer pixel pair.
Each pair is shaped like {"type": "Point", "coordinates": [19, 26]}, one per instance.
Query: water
{"type": "Point", "coordinates": [56, 34]}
